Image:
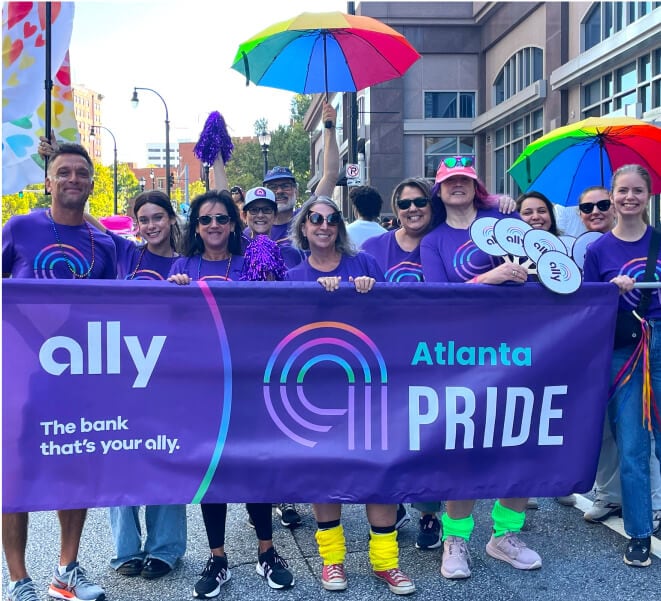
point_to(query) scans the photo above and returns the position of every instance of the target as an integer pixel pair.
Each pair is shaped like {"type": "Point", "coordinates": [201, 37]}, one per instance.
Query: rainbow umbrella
{"type": "Point", "coordinates": [569, 159]}
{"type": "Point", "coordinates": [324, 52]}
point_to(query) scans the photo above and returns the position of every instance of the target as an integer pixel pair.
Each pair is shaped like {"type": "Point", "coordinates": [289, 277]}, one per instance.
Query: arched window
{"type": "Point", "coordinates": [521, 70]}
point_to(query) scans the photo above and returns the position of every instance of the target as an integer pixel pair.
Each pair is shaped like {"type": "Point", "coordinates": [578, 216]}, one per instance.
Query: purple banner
{"type": "Point", "coordinates": [129, 393]}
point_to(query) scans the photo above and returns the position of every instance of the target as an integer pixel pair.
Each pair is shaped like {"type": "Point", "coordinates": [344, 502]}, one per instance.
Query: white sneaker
{"type": "Point", "coordinates": [601, 511]}
{"type": "Point", "coordinates": [456, 560]}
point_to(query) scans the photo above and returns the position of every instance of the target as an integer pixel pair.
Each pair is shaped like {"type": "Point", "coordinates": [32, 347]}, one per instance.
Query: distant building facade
{"type": "Point", "coordinates": [493, 77]}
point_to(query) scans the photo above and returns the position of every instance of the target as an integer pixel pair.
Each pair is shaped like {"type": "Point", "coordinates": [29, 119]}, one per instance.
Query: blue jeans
{"type": "Point", "coordinates": [166, 533]}
{"type": "Point", "coordinates": [633, 440]}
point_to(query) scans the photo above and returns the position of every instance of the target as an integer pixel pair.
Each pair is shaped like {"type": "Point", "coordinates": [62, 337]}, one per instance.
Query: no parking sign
{"type": "Point", "coordinates": [353, 175]}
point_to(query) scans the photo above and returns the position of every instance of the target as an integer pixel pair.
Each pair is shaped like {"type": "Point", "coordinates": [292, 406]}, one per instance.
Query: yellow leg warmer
{"type": "Point", "coordinates": [384, 551]}
{"type": "Point", "coordinates": [332, 546]}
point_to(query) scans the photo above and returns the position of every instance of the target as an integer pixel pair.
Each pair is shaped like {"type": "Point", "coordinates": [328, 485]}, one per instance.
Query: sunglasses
{"type": "Point", "coordinates": [405, 203]}
{"type": "Point", "coordinates": [317, 218]}
{"type": "Point", "coordinates": [452, 162]}
{"type": "Point", "coordinates": [220, 219]}
{"type": "Point", "coordinates": [258, 210]}
{"type": "Point", "coordinates": [235, 190]}
{"type": "Point", "coordinates": [588, 207]}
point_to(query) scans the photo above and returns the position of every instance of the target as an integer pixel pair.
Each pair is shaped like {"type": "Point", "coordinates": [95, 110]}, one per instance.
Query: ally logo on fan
{"type": "Point", "coordinates": [509, 233]}
{"type": "Point", "coordinates": [537, 242]}
{"type": "Point", "coordinates": [481, 233]}
{"type": "Point", "coordinates": [327, 375]}
{"type": "Point", "coordinates": [558, 272]}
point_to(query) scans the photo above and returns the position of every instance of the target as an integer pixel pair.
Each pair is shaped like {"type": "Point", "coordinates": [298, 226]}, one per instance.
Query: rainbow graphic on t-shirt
{"type": "Point", "coordinates": [145, 274]}
{"type": "Point", "coordinates": [470, 261]}
{"type": "Point", "coordinates": [635, 268]}
{"type": "Point", "coordinates": [405, 271]}
{"type": "Point", "coordinates": [50, 256]}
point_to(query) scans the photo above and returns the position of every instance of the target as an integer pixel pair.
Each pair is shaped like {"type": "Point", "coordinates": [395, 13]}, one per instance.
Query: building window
{"type": "Point", "coordinates": [509, 144]}
{"type": "Point", "coordinates": [439, 147]}
{"type": "Point", "coordinates": [636, 82]}
{"type": "Point", "coordinates": [449, 105]}
{"type": "Point", "coordinates": [521, 70]}
{"type": "Point", "coordinates": [607, 18]}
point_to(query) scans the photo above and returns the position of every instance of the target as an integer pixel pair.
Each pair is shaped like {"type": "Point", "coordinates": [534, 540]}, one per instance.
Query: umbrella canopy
{"type": "Point", "coordinates": [569, 159]}
{"type": "Point", "coordinates": [325, 52]}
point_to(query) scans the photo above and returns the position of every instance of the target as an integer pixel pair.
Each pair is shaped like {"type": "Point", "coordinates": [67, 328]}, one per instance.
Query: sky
{"type": "Point", "coordinates": [184, 51]}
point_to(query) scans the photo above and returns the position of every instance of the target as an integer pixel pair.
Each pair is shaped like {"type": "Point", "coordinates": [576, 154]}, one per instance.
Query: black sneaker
{"type": "Point", "coordinates": [274, 568]}
{"type": "Point", "coordinates": [289, 517]}
{"type": "Point", "coordinates": [429, 533]}
{"type": "Point", "coordinates": [403, 517]}
{"type": "Point", "coordinates": [638, 552]}
{"type": "Point", "coordinates": [215, 574]}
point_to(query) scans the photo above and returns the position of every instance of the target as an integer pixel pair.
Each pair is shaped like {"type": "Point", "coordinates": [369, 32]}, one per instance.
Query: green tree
{"type": "Point", "coordinates": [300, 104]}
{"type": "Point", "coordinates": [102, 198]}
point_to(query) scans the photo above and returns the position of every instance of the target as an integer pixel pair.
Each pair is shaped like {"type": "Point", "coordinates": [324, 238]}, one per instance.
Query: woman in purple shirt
{"type": "Point", "coordinates": [620, 257]}
{"type": "Point", "coordinates": [319, 228]}
{"type": "Point", "coordinates": [449, 255]}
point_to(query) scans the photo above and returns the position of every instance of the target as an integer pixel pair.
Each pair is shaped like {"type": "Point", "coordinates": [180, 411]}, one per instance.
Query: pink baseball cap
{"type": "Point", "coordinates": [451, 166]}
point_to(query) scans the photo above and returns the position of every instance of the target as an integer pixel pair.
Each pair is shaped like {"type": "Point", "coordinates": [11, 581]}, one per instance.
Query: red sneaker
{"type": "Point", "coordinates": [398, 582]}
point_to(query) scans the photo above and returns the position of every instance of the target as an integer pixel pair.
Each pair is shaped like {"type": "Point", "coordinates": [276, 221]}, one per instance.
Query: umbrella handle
{"type": "Point", "coordinates": [327, 124]}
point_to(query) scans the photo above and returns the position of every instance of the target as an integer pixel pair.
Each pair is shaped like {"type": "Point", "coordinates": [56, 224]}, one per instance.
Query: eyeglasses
{"type": "Point", "coordinates": [452, 162]}
{"type": "Point", "coordinates": [286, 187]}
{"type": "Point", "coordinates": [405, 203]}
{"type": "Point", "coordinates": [588, 207]}
{"type": "Point", "coordinates": [220, 219]}
{"type": "Point", "coordinates": [317, 218]}
{"type": "Point", "coordinates": [258, 210]}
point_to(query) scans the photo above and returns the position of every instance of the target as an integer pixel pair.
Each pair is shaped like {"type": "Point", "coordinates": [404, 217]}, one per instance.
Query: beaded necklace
{"type": "Point", "coordinates": [70, 265]}
{"type": "Point", "coordinates": [227, 273]}
{"type": "Point", "coordinates": [137, 266]}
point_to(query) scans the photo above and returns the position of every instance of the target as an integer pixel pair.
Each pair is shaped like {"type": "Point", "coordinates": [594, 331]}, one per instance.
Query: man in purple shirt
{"type": "Point", "coordinates": [56, 243]}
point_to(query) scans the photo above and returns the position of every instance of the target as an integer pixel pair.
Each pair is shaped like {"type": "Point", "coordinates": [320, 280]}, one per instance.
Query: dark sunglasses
{"type": "Point", "coordinates": [452, 162]}
{"type": "Point", "coordinates": [258, 210]}
{"type": "Point", "coordinates": [588, 207]}
{"type": "Point", "coordinates": [318, 218]}
{"type": "Point", "coordinates": [405, 203]}
{"type": "Point", "coordinates": [220, 219]}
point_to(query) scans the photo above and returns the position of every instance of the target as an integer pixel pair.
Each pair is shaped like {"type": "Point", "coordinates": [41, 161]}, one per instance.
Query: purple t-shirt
{"type": "Point", "coordinates": [449, 255]}
{"type": "Point", "coordinates": [354, 266]}
{"type": "Point", "coordinates": [138, 263]}
{"type": "Point", "coordinates": [608, 256]}
{"type": "Point", "coordinates": [397, 264]}
{"type": "Point", "coordinates": [30, 249]}
{"type": "Point", "coordinates": [198, 268]}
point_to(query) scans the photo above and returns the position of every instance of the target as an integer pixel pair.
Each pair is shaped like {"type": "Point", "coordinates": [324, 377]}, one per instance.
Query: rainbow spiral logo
{"type": "Point", "coordinates": [49, 257]}
{"type": "Point", "coordinates": [406, 271]}
{"type": "Point", "coordinates": [145, 274]}
{"type": "Point", "coordinates": [325, 375]}
{"type": "Point", "coordinates": [470, 261]}
{"type": "Point", "coordinates": [635, 268]}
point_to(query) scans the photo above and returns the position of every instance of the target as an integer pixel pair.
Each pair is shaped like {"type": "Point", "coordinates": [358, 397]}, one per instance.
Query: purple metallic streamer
{"type": "Point", "coordinates": [214, 140]}
{"type": "Point", "coordinates": [262, 261]}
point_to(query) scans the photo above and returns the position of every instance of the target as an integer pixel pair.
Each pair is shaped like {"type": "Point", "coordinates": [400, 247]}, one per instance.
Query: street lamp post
{"type": "Point", "coordinates": [143, 182]}
{"type": "Point", "coordinates": [151, 176]}
{"type": "Point", "coordinates": [114, 144]}
{"type": "Point", "coordinates": [134, 101]}
{"type": "Point", "coordinates": [264, 142]}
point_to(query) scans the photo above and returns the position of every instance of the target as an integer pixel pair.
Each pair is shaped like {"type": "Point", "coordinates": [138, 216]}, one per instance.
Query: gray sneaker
{"type": "Point", "coordinates": [601, 511]}
{"type": "Point", "coordinates": [656, 522]}
{"type": "Point", "coordinates": [23, 590]}
{"type": "Point", "coordinates": [74, 585]}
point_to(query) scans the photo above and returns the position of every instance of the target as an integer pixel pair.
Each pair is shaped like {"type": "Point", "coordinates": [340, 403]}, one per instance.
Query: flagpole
{"type": "Point", "coordinates": [48, 83]}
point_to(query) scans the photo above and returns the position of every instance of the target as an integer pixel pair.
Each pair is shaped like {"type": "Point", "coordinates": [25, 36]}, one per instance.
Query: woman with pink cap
{"type": "Point", "coordinates": [449, 255]}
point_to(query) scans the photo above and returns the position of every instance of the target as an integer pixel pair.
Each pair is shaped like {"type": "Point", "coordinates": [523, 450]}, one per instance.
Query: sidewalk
{"type": "Point", "coordinates": [580, 561]}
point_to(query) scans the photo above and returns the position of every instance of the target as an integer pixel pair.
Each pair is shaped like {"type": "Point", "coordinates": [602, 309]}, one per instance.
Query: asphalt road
{"type": "Point", "coordinates": [581, 561]}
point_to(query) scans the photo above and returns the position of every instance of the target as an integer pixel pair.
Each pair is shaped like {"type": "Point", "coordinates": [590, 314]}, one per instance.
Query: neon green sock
{"type": "Point", "coordinates": [463, 527]}
{"type": "Point", "coordinates": [506, 519]}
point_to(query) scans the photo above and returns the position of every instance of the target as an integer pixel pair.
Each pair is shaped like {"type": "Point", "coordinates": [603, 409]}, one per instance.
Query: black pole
{"type": "Point", "coordinates": [265, 152]}
{"type": "Point", "coordinates": [352, 97]}
{"type": "Point", "coordinates": [114, 182]}
{"type": "Point", "coordinates": [48, 84]}
{"type": "Point", "coordinates": [327, 124]}
{"type": "Point", "coordinates": [206, 176]}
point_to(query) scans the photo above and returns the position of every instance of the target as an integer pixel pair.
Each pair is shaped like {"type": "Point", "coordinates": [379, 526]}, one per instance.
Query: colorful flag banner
{"type": "Point", "coordinates": [23, 101]}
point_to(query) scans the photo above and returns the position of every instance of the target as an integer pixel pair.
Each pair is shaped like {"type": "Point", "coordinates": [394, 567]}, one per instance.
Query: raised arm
{"type": "Point", "coordinates": [331, 154]}
{"type": "Point", "coordinates": [219, 173]}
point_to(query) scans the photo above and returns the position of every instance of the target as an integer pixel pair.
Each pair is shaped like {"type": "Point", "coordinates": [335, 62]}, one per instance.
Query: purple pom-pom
{"type": "Point", "coordinates": [214, 140]}
{"type": "Point", "coordinates": [262, 261]}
